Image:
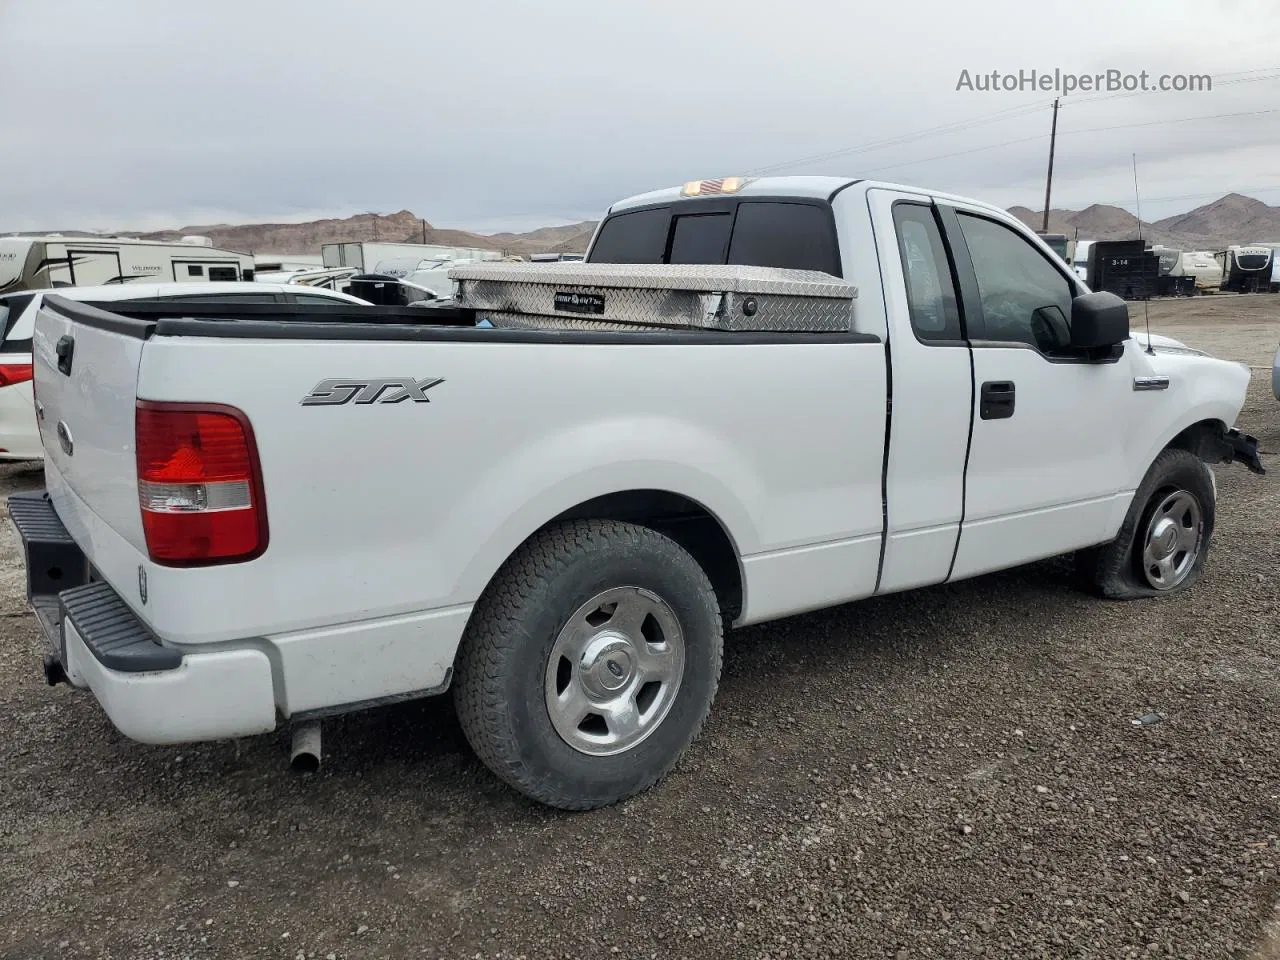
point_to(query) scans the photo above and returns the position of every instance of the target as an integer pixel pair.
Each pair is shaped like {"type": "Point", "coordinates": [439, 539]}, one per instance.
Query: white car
{"type": "Point", "coordinates": [755, 399]}
{"type": "Point", "coordinates": [19, 438]}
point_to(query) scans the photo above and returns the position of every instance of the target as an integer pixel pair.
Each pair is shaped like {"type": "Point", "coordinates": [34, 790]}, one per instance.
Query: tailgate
{"type": "Point", "coordinates": [86, 375]}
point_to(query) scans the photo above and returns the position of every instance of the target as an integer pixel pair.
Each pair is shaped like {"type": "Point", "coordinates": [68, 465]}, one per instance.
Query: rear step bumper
{"type": "Point", "coordinates": [152, 693]}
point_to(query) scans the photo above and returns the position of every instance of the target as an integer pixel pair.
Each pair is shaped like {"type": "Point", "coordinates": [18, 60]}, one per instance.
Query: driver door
{"type": "Point", "coordinates": [1045, 470]}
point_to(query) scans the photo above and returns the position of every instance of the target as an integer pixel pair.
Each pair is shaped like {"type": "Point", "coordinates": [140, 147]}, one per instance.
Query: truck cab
{"type": "Point", "coordinates": [968, 301]}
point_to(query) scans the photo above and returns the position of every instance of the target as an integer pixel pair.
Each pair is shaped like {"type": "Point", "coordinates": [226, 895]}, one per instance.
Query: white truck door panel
{"type": "Point", "coordinates": [1044, 480]}
{"type": "Point", "coordinates": [1046, 459]}
{"type": "Point", "coordinates": [932, 386]}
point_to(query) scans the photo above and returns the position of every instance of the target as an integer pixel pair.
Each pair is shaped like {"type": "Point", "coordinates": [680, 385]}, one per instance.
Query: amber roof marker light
{"type": "Point", "coordinates": [710, 188]}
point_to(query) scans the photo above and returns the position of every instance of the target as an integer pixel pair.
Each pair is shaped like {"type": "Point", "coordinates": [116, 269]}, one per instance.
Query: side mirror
{"type": "Point", "coordinates": [1098, 320]}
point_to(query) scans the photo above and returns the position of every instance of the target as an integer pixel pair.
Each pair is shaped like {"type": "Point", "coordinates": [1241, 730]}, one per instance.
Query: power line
{"type": "Point", "coordinates": [1008, 113]}
{"type": "Point", "coordinates": [958, 153]}
{"type": "Point", "coordinates": [1119, 126]}
{"type": "Point", "coordinates": [1273, 73]}
{"type": "Point", "coordinates": [1217, 194]}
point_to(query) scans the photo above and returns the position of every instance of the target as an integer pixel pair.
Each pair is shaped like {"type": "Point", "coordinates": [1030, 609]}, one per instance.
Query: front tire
{"type": "Point", "coordinates": [590, 663]}
{"type": "Point", "coordinates": [1164, 541]}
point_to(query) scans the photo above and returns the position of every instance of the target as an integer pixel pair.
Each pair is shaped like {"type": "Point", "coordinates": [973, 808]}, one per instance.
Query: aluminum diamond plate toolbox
{"type": "Point", "coordinates": [605, 296]}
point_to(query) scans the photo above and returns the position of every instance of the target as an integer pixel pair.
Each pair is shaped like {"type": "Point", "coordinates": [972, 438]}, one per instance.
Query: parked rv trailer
{"type": "Point", "coordinates": [1246, 269]}
{"type": "Point", "coordinates": [1204, 268]}
{"type": "Point", "coordinates": [286, 263]}
{"type": "Point", "coordinates": [1171, 279]}
{"type": "Point", "coordinates": [37, 263]}
{"type": "Point", "coordinates": [365, 255]}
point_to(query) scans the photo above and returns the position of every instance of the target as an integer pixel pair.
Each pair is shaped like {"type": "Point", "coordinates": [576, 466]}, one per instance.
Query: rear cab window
{"type": "Point", "coordinates": [792, 233]}
{"type": "Point", "coordinates": [638, 236]}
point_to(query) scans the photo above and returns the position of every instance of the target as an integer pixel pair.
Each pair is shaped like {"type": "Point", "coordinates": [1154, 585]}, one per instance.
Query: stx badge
{"type": "Point", "coordinates": [335, 392]}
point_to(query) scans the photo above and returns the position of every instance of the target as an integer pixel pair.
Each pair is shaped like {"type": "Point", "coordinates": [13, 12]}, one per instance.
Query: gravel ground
{"type": "Point", "coordinates": [953, 772]}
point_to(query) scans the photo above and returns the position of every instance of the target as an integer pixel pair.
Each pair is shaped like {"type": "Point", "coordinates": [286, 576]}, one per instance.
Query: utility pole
{"type": "Point", "coordinates": [1048, 182]}
{"type": "Point", "coordinates": [424, 232]}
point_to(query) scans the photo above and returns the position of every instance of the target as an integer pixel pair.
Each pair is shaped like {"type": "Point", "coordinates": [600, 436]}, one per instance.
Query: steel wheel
{"type": "Point", "coordinates": [1172, 540]}
{"type": "Point", "coordinates": [614, 671]}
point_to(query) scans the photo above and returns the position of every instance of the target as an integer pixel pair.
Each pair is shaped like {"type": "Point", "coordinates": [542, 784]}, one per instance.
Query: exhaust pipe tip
{"type": "Point", "coordinates": [304, 757]}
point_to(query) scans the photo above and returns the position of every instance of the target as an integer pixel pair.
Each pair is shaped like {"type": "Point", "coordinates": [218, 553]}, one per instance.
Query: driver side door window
{"type": "Point", "coordinates": [1024, 298]}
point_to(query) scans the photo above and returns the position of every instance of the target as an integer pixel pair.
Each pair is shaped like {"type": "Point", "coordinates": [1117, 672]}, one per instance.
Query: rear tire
{"type": "Point", "coordinates": [1164, 541]}
{"type": "Point", "coordinates": [590, 663]}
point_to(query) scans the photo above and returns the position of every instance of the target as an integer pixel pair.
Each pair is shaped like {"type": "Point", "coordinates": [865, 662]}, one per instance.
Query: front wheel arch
{"type": "Point", "coordinates": [1201, 440]}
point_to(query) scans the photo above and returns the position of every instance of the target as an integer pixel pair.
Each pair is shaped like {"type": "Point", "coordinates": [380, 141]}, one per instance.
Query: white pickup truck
{"type": "Point", "coordinates": [256, 518]}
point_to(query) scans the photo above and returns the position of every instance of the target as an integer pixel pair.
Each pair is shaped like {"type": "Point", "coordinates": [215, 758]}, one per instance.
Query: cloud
{"type": "Point", "coordinates": [509, 113]}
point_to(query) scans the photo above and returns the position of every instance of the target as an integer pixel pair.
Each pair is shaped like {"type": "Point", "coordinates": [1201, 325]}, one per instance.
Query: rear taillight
{"type": "Point", "coordinates": [12, 373]}
{"type": "Point", "coordinates": [199, 484]}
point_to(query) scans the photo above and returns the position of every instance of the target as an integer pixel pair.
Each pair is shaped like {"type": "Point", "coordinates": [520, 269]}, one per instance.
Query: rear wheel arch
{"type": "Point", "coordinates": [695, 527]}
{"type": "Point", "coordinates": [686, 521]}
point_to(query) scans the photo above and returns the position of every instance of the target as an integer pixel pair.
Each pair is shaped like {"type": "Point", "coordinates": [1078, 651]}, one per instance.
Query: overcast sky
{"type": "Point", "coordinates": [495, 114]}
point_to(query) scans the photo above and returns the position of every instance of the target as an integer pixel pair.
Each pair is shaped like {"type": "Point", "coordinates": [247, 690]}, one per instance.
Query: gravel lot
{"type": "Point", "coordinates": [948, 773]}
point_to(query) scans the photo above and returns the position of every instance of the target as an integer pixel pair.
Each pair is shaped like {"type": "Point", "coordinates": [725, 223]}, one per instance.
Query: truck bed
{"type": "Point", "coordinates": [387, 519]}
{"type": "Point", "coordinates": [304, 321]}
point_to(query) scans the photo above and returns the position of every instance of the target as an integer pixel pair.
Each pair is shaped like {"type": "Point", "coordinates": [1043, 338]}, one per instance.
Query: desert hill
{"type": "Point", "coordinates": [1233, 218]}
{"type": "Point", "coordinates": [401, 227]}
{"type": "Point", "coordinates": [1230, 219]}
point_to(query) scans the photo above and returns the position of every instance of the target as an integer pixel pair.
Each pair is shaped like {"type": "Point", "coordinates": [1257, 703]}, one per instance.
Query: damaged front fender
{"type": "Point", "coordinates": [1230, 446]}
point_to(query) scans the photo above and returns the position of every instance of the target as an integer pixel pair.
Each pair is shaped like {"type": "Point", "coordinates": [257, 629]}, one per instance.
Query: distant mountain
{"type": "Point", "coordinates": [1095, 222]}
{"type": "Point", "coordinates": [1059, 220]}
{"type": "Point", "coordinates": [551, 235]}
{"type": "Point", "coordinates": [401, 227]}
{"type": "Point", "coordinates": [1232, 219]}
{"type": "Point", "coordinates": [1243, 219]}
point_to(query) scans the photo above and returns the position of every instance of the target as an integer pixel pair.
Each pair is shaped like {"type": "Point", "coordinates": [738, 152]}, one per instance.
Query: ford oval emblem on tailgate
{"type": "Point", "coordinates": [64, 438]}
